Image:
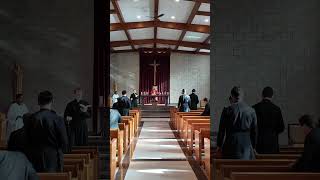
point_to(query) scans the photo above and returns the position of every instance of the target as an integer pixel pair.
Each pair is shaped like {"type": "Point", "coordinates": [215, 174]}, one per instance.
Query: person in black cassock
{"type": "Point", "coordinates": [238, 129]}
{"type": "Point", "coordinates": [270, 123]}
{"type": "Point", "coordinates": [310, 158]}
{"type": "Point", "coordinates": [194, 100]}
{"type": "Point", "coordinates": [206, 111]}
{"type": "Point", "coordinates": [134, 99]}
{"type": "Point", "coordinates": [124, 104]}
{"type": "Point", "coordinates": [16, 166]}
{"type": "Point", "coordinates": [76, 114]}
{"type": "Point", "coordinates": [46, 136]}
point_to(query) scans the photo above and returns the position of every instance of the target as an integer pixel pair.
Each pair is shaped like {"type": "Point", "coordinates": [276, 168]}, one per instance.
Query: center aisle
{"type": "Point", "coordinates": [158, 155]}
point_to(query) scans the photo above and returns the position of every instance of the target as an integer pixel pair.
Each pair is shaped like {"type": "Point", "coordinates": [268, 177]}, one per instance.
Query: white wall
{"type": "Point", "coordinates": [53, 41]}
{"type": "Point", "coordinates": [187, 71]}
{"type": "Point", "coordinates": [124, 70]}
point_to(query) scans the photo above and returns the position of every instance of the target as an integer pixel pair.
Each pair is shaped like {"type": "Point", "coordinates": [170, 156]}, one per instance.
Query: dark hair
{"type": "Point", "coordinates": [124, 92]}
{"type": "Point", "coordinates": [115, 92]}
{"type": "Point", "coordinates": [307, 120]}
{"type": "Point", "coordinates": [19, 95]}
{"type": "Point", "coordinates": [267, 92]}
{"type": "Point", "coordinates": [236, 92]}
{"type": "Point", "coordinates": [183, 91]}
{"type": "Point", "coordinates": [193, 90]}
{"type": "Point", "coordinates": [44, 98]}
{"type": "Point", "coordinates": [205, 99]}
{"type": "Point", "coordinates": [76, 90]}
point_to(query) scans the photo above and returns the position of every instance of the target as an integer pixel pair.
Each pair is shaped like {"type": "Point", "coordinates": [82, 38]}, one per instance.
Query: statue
{"type": "Point", "coordinates": [17, 81]}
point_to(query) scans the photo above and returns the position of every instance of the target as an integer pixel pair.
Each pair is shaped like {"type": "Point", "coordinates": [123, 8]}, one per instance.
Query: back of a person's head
{"type": "Point", "coordinates": [307, 120]}
{"type": "Point", "coordinates": [193, 90]}
{"type": "Point", "coordinates": [124, 92]}
{"type": "Point", "coordinates": [205, 99]}
{"type": "Point", "coordinates": [237, 93]}
{"type": "Point", "coordinates": [44, 98]}
{"type": "Point", "coordinates": [267, 92]}
{"type": "Point", "coordinates": [183, 91]}
{"type": "Point", "coordinates": [19, 95]}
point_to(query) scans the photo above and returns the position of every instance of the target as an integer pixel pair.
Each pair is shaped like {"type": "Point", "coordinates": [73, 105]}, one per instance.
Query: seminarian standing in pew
{"type": "Point", "coordinates": [16, 166]}
{"type": "Point", "coordinates": [270, 123]}
{"type": "Point", "coordinates": [44, 137]}
{"type": "Point", "coordinates": [238, 129]}
{"type": "Point", "coordinates": [310, 159]}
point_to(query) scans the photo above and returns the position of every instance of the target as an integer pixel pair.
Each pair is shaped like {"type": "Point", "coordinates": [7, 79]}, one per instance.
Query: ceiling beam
{"type": "Point", "coordinates": [161, 24]}
{"type": "Point", "coordinates": [206, 41]}
{"type": "Point", "coordinates": [121, 19]}
{"type": "Point", "coordinates": [190, 19]}
{"type": "Point", "coordinates": [202, 1]}
{"type": "Point", "coordinates": [160, 41]}
{"type": "Point", "coordinates": [203, 13]}
{"type": "Point", "coordinates": [155, 14]}
{"type": "Point", "coordinates": [175, 51]}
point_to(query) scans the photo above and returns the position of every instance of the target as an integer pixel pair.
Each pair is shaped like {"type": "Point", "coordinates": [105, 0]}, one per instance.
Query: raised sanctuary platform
{"type": "Point", "coordinates": [155, 111]}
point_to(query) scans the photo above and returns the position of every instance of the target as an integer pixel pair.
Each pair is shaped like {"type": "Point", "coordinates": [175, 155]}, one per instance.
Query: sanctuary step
{"type": "Point", "coordinates": [155, 111]}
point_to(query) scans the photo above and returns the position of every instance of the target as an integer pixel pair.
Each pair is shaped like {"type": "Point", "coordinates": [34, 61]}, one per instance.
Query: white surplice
{"type": "Point", "coordinates": [15, 117]}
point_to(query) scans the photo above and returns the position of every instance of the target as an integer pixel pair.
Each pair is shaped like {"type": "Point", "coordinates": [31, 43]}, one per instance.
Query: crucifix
{"type": "Point", "coordinates": [154, 71]}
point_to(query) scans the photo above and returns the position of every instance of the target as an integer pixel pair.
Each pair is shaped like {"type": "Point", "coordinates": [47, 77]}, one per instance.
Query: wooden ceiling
{"type": "Point", "coordinates": [163, 31]}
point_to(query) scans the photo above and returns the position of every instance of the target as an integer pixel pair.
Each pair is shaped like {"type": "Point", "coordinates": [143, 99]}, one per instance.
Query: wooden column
{"type": "Point", "coordinates": [101, 83]}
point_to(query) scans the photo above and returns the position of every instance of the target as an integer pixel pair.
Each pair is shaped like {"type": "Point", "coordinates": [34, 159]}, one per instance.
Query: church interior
{"type": "Point", "coordinates": [159, 48]}
{"type": "Point", "coordinates": [159, 89]}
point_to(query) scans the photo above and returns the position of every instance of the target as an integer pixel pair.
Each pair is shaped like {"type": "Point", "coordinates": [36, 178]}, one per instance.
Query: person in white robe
{"type": "Point", "coordinates": [15, 115]}
{"type": "Point", "coordinates": [115, 97]}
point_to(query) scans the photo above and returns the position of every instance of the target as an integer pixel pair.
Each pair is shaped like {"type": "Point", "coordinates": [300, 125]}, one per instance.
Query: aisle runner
{"type": "Point", "coordinates": [158, 155]}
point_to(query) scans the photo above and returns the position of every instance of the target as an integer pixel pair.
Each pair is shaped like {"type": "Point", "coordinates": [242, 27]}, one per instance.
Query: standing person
{"type": "Point", "coordinates": [310, 158]}
{"type": "Point", "coordinates": [206, 111]}
{"type": "Point", "coordinates": [184, 102]}
{"type": "Point", "coordinates": [270, 123]}
{"type": "Point", "coordinates": [134, 99]}
{"type": "Point", "coordinates": [15, 114]}
{"type": "Point", "coordinates": [46, 135]}
{"type": "Point", "coordinates": [194, 100]}
{"type": "Point", "coordinates": [115, 97]}
{"type": "Point", "coordinates": [237, 129]}
{"type": "Point", "coordinates": [16, 166]}
{"type": "Point", "coordinates": [77, 113]}
{"type": "Point", "coordinates": [124, 104]}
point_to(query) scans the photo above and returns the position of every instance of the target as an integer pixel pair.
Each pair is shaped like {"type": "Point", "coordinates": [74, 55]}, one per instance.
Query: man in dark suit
{"type": "Point", "coordinates": [270, 123]}
{"type": "Point", "coordinates": [15, 166]}
{"type": "Point", "coordinates": [47, 136]}
{"type": "Point", "coordinates": [124, 104]}
{"type": "Point", "coordinates": [194, 100]}
{"type": "Point", "coordinates": [238, 129]}
{"type": "Point", "coordinates": [310, 158]}
{"type": "Point", "coordinates": [206, 111]}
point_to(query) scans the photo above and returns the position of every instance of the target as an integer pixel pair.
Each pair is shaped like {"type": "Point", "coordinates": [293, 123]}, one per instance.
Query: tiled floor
{"type": "Point", "coordinates": [158, 155]}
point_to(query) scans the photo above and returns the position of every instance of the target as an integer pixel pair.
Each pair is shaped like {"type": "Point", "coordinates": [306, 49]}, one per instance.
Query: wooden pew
{"type": "Point", "coordinates": [80, 163]}
{"type": "Point", "coordinates": [3, 129]}
{"type": "Point", "coordinates": [277, 156]}
{"type": "Point", "coordinates": [125, 128]}
{"type": "Point", "coordinates": [193, 127]}
{"type": "Point", "coordinates": [206, 159]}
{"type": "Point", "coordinates": [189, 120]}
{"type": "Point", "coordinates": [131, 122]}
{"type": "Point", "coordinates": [199, 137]}
{"type": "Point", "coordinates": [177, 123]}
{"type": "Point", "coordinates": [128, 121]}
{"type": "Point", "coordinates": [117, 133]}
{"type": "Point", "coordinates": [94, 156]}
{"type": "Point", "coordinates": [88, 163]}
{"type": "Point", "coordinates": [274, 176]}
{"type": "Point", "coordinates": [55, 176]}
{"type": "Point", "coordinates": [113, 158]}
{"type": "Point", "coordinates": [74, 170]}
{"type": "Point", "coordinates": [259, 162]}
{"type": "Point", "coordinates": [227, 170]}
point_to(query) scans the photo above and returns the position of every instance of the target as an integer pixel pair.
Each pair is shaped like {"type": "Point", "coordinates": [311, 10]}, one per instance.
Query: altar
{"type": "Point", "coordinates": [149, 99]}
